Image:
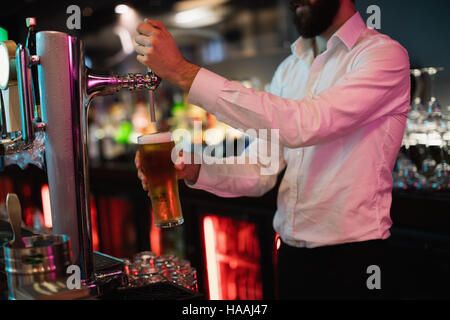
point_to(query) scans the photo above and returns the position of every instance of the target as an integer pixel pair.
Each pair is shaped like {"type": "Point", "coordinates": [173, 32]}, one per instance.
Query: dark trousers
{"type": "Point", "coordinates": [341, 272]}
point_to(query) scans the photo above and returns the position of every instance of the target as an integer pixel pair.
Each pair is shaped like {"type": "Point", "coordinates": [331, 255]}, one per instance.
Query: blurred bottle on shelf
{"type": "Point", "coordinates": [423, 162]}
{"type": "Point", "coordinates": [3, 34]}
{"type": "Point", "coordinates": [178, 119]}
{"type": "Point", "coordinates": [141, 121]}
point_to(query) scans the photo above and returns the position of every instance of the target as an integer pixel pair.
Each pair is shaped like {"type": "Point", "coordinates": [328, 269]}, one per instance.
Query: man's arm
{"type": "Point", "coordinates": [377, 86]}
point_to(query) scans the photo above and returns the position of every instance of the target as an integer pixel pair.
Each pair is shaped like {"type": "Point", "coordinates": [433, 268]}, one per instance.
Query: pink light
{"type": "Point", "coordinates": [277, 241]}
{"type": "Point", "coordinates": [46, 207]}
{"type": "Point", "coordinates": [155, 237]}
{"type": "Point", "coordinates": [94, 224]}
{"type": "Point", "coordinates": [211, 258]}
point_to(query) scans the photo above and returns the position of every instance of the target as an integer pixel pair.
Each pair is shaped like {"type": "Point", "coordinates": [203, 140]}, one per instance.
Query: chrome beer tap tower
{"type": "Point", "coordinates": [66, 88]}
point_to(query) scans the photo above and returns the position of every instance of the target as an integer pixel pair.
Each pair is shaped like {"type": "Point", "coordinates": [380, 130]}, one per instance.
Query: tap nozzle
{"type": "Point", "coordinates": [137, 81]}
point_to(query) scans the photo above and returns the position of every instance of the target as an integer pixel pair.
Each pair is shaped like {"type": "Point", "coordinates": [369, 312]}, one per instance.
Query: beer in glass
{"type": "Point", "coordinates": [162, 184]}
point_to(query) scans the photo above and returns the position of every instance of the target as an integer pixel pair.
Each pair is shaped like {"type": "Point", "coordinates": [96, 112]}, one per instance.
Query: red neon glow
{"type": "Point", "coordinates": [116, 227]}
{"type": "Point", "coordinates": [211, 258]}
{"type": "Point", "coordinates": [232, 259]}
{"type": "Point", "coordinates": [6, 186]}
{"type": "Point", "coordinates": [155, 237]}
{"type": "Point", "coordinates": [46, 207]}
{"type": "Point", "coordinates": [94, 224]}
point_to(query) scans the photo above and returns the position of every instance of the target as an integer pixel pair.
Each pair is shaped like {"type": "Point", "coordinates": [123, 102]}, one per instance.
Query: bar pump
{"type": "Point", "coordinates": [66, 88]}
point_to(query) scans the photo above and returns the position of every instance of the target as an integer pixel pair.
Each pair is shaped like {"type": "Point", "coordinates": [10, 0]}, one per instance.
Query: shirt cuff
{"type": "Point", "coordinates": [205, 90]}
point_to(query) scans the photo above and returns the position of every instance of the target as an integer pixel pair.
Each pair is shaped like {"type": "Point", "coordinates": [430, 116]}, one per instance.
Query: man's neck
{"type": "Point", "coordinates": [346, 11]}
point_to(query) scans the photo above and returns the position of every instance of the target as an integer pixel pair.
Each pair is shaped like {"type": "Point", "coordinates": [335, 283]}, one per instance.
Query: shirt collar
{"type": "Point", "coordinates": [349, 34]}
{"type": "Point", "coordinates": [351, 31]}
{"type": "Point", "coordinates": [303, 48]}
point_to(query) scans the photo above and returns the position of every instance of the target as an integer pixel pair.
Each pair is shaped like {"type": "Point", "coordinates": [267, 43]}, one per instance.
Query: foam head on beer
{"type": "Point", "coordinates": [153, 138]}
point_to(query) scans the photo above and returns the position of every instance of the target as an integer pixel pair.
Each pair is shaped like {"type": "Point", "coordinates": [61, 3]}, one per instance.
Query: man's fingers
{"type": "Point", "coordinates": [143, 182]}
{"type": "Point", "coordinates": [179, 165]}
{"type": "Point", "coordinates": [142, 59]}
{"type": "Point", "coordinates": [142, 40]}
{"type": "Point", "coordinates": [156, 24]}
{"type": "Point", "coordinates": [146, 29]}
{"type": "Point", "coordinates": [141, 176]}
{"type": "Point", "coordinates": [137, 160]}
{"type": "Point", "coordinates": [141, 50]}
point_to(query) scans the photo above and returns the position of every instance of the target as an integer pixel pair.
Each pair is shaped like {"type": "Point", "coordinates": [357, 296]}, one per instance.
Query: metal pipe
{"type": "Point", "coordinates": [3, 130]}
{"type": "Point", "coordinates": [151, 104]}
{"type": "Point", "coordinates": [26, 93]}
{"type": "Point", "coordinates": [62, 109]}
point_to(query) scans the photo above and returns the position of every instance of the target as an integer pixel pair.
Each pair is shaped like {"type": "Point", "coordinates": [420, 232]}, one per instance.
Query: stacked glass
{"type": "Point", "coordinates": [423, 162]}
{"type": "Point", "coordinates": [147, 268]}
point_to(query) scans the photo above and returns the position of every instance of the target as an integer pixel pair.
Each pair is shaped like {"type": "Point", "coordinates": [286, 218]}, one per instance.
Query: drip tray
{"type": "Point", "coordinates": [104, 263]}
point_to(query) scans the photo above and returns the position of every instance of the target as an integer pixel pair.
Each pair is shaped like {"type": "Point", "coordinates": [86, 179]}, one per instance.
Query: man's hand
{"type": "Point", "coordinates": [184, 171]}
{"type": "Point", "coordinates": [157, 49]}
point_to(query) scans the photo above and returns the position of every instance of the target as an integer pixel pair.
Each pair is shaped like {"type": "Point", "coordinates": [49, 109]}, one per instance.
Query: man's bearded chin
{"type": "Point", "coordinates": [315, 19]}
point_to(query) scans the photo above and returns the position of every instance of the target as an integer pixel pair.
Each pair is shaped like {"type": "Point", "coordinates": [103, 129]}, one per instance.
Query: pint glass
{"type": "Point", "coordinates": [162, 183]}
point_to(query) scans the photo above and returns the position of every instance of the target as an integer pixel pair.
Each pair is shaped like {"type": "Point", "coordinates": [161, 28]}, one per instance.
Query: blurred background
{"type": "Point", "coordinates": [243, 40]}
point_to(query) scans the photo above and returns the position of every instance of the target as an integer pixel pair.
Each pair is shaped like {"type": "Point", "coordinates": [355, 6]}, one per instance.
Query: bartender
{"type": "Point", "coordinates": [340, 102]}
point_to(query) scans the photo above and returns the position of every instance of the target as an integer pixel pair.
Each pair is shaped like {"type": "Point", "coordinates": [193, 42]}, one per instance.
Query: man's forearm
{"type": "Point", "coordinates": [185, 76]}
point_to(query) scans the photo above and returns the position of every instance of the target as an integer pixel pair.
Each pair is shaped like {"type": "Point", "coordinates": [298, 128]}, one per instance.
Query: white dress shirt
{"type": "Point", "coordinates": [341, 117]}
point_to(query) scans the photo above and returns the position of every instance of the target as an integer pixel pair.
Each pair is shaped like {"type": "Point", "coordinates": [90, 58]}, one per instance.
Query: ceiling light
{"type": "Point", "coordinates": [198, 17]}
{"type": "Point", "coordinates": [121, 8]}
